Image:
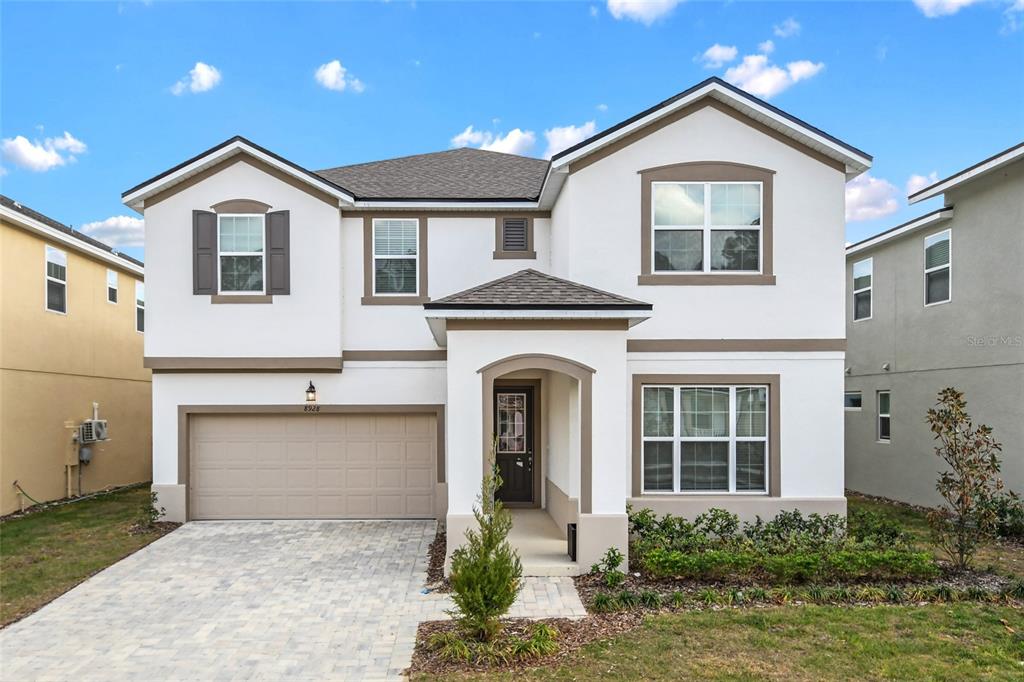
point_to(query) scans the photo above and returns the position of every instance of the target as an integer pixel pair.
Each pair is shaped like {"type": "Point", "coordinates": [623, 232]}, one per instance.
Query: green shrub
{"type": "Point", "coordinates": [757, 594]}
{"type": "Point", "coordinates": [450, 646]}
{"type": "Point", "coordinates": [894, 593]}
{"type": "Point", "coordinates": [943, 593]}
{"type": "Point", "coordinates": [150, 512]}
{"type": "Point", "coordinates": [486, 573]}
{"type": "Point", "coordinates": [864, 525]}
{"type": "Point", "coordinates": [1008, 509]}
{"type": "Point", "coordinates": [650, 599]}
{"type": "Point", "coordinates": [608, 568]}
{"type": "Point", "coordinates": [541, 642]}
{"type": "Point", "coordinates": [793, 568]}
{"type": "Point", "coordinates": [708, 596]}
{"type": "Point", "coordinates": [628, 599]}
{"type": "Point", "coordinates": [604, 602]}
{"type": "Point", "coordinates": [678, 598]}
{"type": "Point", "coordinates": [1015, 590]}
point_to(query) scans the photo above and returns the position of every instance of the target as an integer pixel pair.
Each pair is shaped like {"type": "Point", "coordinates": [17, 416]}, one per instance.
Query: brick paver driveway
{"type": "Point", "coordinates": [335, 600]}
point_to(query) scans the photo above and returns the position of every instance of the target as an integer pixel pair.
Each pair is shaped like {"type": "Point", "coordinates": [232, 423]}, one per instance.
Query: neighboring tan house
{"type": "Point", "coordinates": [933, 303]}
{"type": "Point", "coordinates": [651, 318]}
{"type": "Point", "coordinates": [71, 321]}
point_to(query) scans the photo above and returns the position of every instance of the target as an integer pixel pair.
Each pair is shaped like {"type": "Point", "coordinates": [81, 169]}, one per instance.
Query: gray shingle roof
{"type": "Point", "coordinates": [61, 227]}
{"type": "Point", "coordinates": [462, 174]}
{"type": "Point", "coordinates": [533, 290]}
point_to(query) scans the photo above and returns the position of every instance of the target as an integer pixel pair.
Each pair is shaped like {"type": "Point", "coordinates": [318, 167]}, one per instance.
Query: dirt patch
{"type": "Point", "coordinates": [572, 636]}
{"type": "Point", "coordinates": [159, 528]}
{"type": "Point", "coordinates": [435, 562]}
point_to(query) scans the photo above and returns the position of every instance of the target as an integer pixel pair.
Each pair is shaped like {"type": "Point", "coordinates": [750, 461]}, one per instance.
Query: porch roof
{"type": "Point", "coordinates": [533, 290]}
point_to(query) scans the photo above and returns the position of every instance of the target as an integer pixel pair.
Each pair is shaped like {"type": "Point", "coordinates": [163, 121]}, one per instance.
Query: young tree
{"type": "Point", "coordinates": [971, 481]}
{"type": "Point", "coordinates": [486, 572]}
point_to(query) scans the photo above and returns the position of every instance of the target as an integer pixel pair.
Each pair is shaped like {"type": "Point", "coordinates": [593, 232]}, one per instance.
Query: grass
{"type": "Point", "coordinates": [952, 642]}
{"type": "Point", "coordinates": [1004, 558]}
{"type": "Point", "coordinates": [45, 554]}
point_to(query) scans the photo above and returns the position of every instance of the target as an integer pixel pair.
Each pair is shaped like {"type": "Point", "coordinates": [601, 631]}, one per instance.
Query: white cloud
{"type": "Point", "coordinates": [758, 76]}
{"type": "Point", "coordinates": [717, 55]}
{"type": "Point", "coordinates": [334, 76]}
{"type": "Point", "coordinates": [201, 78]}
{"type": "Point", "coordinates": [563, 137]}
{"type": "Point", "coordinates": [767, 47]}
{"type": "Point", "coordinates": [594, 11]}
{"type": "Point", "coordinates": [1013, 18]}
{"type": "Point", "coordinates": [942, 8]}
{"type": "Point", "coordinates": [645, 11]}
{"type": "Point", "coordinates": [788, 28]}
{"type": "Point", "coordinates": [42, 156]}
{"type": "Point", "coordinates": [916, 183]}
{"type": "Point", "coordinates": [868, 198]}
{"type": "Point", "coordinates": [515, 141]}
{"type": "Point", "coordinates": [118, 231]}
{"type": "Point", "coordinates": [602, 107]}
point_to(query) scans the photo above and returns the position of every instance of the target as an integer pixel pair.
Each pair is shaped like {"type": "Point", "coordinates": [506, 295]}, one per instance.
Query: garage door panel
{"type": "Point", "coordinates": [313, 466]}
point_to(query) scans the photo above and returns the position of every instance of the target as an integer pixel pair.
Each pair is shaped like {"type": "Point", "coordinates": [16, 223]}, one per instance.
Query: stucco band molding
{"type": "Point", "coordinates": [186, 412]}
{"type": "Point", "coordinates": [235, 364]}
{"type": "Point", "coordinates": [369, 298]}
{"type": "Point", "coordinates": [577, 370]}
{"type": "Point", "coordinates": [774, 424]}
{"type": "Point", "coordinates": [734, 345]}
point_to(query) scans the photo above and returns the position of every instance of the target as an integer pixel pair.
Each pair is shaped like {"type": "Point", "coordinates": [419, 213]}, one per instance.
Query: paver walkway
{"type": "Point", "coordinates": [325, 600]}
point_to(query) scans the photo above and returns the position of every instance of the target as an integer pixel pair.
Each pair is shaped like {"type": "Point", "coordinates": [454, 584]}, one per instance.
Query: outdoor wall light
{"type": "Point", "coordinates": [311, 394]}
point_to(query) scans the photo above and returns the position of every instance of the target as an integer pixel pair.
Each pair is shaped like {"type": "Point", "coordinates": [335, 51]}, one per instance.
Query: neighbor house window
{"type": "Point", "coordinates": [712, 227]}
{"type": "Point", "coordinates": [395, 256]}
{"type": "Point", "coordinates": [703, 439]}
{"type": "Point", "coordinates": [111, 286]}
{"type": "Point", "coordinates": [140, 307]}
{"type": "Point", "coordinates": [56, 280]}
{"type": "Point", "coordinates": [242, 268]}
{"type": "Point", "coordinates": [884, 416]}
{"type": "Point", "coordinates": [852, 400]}
{"type": "Point", "coordinates": [862, 276]}
{"type": "Point", "coordinates": [937, 268]}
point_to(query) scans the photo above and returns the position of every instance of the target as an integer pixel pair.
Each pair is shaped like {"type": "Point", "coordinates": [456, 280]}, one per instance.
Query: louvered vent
{"type": "Point", "coordinates": [513, 234]}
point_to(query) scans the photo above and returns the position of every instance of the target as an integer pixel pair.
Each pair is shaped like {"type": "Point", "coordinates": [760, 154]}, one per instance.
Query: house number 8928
{"type": "Point", "coordinates": [311, 408]}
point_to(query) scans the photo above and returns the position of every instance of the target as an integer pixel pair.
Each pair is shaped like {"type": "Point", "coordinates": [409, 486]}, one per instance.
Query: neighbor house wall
{"type": "Point", "coordinates": [54, 366]}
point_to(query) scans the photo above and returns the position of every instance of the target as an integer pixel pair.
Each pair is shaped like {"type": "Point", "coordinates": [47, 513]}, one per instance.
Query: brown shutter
{"type": "Point", "coordinates": [278, 268]}
{"type": "Point", "coordinates": [513, 234]}
{"type": "Point", "coordinates": [204, 252]}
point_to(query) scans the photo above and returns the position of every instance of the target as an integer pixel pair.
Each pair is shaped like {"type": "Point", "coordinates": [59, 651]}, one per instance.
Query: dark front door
{"type": "Point", "coordinates": [513, 426]}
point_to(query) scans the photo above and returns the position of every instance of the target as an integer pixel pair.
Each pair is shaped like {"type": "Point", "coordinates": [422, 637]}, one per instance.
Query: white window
{"type": "Point", "coordinates": [111, 286]}
{"type": "Point", "coordinates": [853, 400]}
{"type": "Point", "coordinates": [140, 307]}
{"type": "Point", "coordinates": [703, 439]}
{"type": "Point", "coordinates": [242, 267]}
{"type": "Point", "coordinates": [862, 276]}
{"type": "Point", "coordinates": [937, 266]}
{"type": "Point", "coordinates": [396, 256]}
{"type": "Point", "coordinates": [56, 280]}
{"type": "Point", "coordinates": [884, 416]}
{"type": "Point", "coordinates": [712, 227]}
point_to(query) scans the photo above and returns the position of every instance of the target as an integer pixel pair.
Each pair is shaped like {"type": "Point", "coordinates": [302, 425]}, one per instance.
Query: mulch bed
{"type": "Point", "coordinates": [435, 562]}
{"type": "Point", "coordinates": [572, 636]}
{"type": "Point", "coordinates": [159, 527]}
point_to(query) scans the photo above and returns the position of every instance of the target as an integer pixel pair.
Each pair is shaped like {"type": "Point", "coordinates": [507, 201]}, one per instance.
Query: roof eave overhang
{"type": "Point", "coordinates": [136, 197]}
{"type": "Point", "coordinates": [984, 168]}
{"type": "Point", "coordinates": [437, 319]}
{"type": "Point", "coordinates": [924, 222]}
{"type": "Point", "coordinates": [446, 204]}
{"type": "Point", "coordinates": [70, 242]}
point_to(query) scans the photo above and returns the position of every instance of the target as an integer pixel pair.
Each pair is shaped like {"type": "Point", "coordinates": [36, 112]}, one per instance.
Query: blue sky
{"type": "Point", "coordinates": [96, 97]}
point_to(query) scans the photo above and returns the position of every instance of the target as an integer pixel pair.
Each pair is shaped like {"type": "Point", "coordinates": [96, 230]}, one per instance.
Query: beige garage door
{"type": "Point", "coordinates": [313, 466]}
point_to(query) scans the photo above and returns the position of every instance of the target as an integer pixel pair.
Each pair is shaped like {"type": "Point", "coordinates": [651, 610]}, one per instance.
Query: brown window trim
{"type": "Point", "coordinates": [368, 296]}
{"type": "Point", "coordinates": [500, 253]}
{"type": "Point", "coordinates": [241, 298]}
{"type": "Point", "coordinates": [241, 206]}
{"type": "Point", "coordinates": [774, 425]}
{"type": "Point", "coordinates": [705, 171]}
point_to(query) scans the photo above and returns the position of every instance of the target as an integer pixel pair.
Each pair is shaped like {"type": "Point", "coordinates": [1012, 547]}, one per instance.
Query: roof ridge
{"type": "Point", "coordinates": [426, 154]}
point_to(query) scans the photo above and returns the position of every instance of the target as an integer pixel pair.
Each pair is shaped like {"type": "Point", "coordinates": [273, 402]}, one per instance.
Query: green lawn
{"type": "Point", "coordinates": [45, 554]}
{"type": "Point", "coordinates": [939, 642]}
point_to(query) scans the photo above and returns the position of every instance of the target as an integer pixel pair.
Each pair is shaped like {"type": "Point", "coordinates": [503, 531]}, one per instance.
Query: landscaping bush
{"type": "Point", "coordinates": [864, 525]}
{"type": "Point", "coordinates": [1008, 509]}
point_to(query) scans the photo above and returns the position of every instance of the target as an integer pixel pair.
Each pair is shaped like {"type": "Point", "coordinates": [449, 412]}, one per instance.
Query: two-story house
{"type": "Point", "coordinates": [653, 317]}
{"type": "Point", "coordinates": [932, 303]}
{"type": "Point", "coordinates": [72, 315]}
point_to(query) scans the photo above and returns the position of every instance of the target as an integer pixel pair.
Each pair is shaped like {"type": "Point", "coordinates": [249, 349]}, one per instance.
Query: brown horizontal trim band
{"type": "Point", "coordinates": [395, 300]}
{"type": "Point", "coordinates": [732, 345]}
{"type": "Point", "coordinates": [102, 377]}
{"type": "Point", "coordinates": [704, 280]}
{"type": "Point", "coordinates": [447, 213]}
{"type": "Point", "coordinates": [241, 298]}
{"type": "Point", "coordinates": [234, 364]}
{"type": "Point", "coordinates": [380, 355]}
{"type": "Point", "coordinates": [240, 206]}
{"type": "Point", "coordinates": [505, 325]}
{"type": "Point", "coordinates": [515, 255]}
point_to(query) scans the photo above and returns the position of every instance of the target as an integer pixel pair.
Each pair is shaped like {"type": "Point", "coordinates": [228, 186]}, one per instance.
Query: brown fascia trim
{"type": "Point", "coordinates": [774, 425]}
{"type": "Point", "coordinates": [499, 226]}
{"type": "Point", "coordinates": [576, 370]}
{"type": "Point", "coordinates": [368, 296]}
{"type": "Point", "coordinates": [655, 126]}
{"type": "Point", "coordinates": [393, 355]}
{"type": "Point", "coordinates": [185, 412]}
{"type": "Point", "coordinates": [240, 206]}
{"type": "Point", "coordinates": [455, 324]}
{"type": "Point", "coordinates": [236, 364]}
{"type": "Point", "coordinates": [733, 345]}
{"type": "Point", "coordinates": [398, 211]}
{"type": "Point", "coordinates": [706, 171]}
{"type": "Point", "coordinates": [241, 298]}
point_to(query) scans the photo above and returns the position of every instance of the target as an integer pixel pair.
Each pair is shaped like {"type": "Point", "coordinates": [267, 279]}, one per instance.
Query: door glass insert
{"type": "Point", "coordinates": [512, 422]}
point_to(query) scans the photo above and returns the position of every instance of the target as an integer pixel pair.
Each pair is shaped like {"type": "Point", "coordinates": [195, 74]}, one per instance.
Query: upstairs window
{"type": "Point", "coordinates": [937, 268]}
{"type": "Point", "coordinates": [240, 248]}
{"type": "Point", "coordinates": [710, 227]}
{"type": "Point", "coordinates": [884, 417]}
{"type": "Point", "coordinates": [862, 276]}
{"type": "Point", "coordinates": [111, 286]}
{"type": "Point", "coordinates": [56, 280]}
{"type": "Point", "coordinates": [140, 307]}
{"type": "Point", "coordinates": [395, 256]}
{"type": "Point", "coordinates": [852, 400]}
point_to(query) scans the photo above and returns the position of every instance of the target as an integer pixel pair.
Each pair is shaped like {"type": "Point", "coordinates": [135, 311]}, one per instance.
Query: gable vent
{"type": "Point", "coordinates": [513, 234]}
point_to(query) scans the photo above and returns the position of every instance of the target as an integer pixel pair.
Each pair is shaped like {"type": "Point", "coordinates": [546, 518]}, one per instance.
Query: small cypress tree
{"type": "Point", "coordinates": [486, 573]}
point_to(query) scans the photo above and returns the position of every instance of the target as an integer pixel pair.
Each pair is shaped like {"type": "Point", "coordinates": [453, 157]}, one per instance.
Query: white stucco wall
{"type": "Point", "coordinates": [563, 438]}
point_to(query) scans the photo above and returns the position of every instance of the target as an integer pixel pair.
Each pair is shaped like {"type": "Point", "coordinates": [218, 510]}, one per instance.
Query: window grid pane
{"type": "Point", "coordinates": [658, 466]}
{"type": "Point", "coordinates": [659, 412]}
{"type": "Point", "coordinates": [735, 204]}
{"type": "Point", "coordinates": [395, 237]}
{"type": "Point", "coordinates": [750, 466]}
{"type": "Point", "coordinates": [678, 204]}
{"type": "Point", "coordinates": [704, 412]}
{"type": "Point", "coordinates": [704, 466]}
{"type": "Point", "coordinates": [394, 275]}
{"type": "Point", "coordinates": [678, 250]}
{"type": "Point", "coordinates": [735, 249]}
{"type": "Point", "coordinates": [241, 273]}
{"type": "Point", "coordinates": [751, 412]}
{"type": "Point", "coordinates": [937, 286]}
